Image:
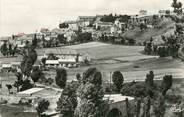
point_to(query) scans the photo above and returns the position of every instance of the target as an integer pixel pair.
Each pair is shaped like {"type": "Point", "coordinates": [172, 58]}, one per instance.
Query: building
{"type": "Point", "coordinates": [164, 12]}
{"type": "Point", "coordinates": [5, 67]}
{"type": "Point", "coordinates": [99, 25]}
{"type": "Point", "coordinates": [117, 105]}
{"type": "Point", "coordinates": [15, 65]}
{"type": "Point", "coordinates": [143, 12]}
{"type": "Point", "coordinates": [52, 63]}
{"type": "Point", "coordinates": [118, 26]}
{"type": "Point", "coordinates": [85, 21]}
{"type": "Point", "coordinates": [138, 19]}
{"type": "Point", "coordinates": [67, 58]}
{"type": "Point", "coordinates": [72, 25]}
{"type": "Point", "coordinates": [70, 35]}
{"type": "Point", "coordinates": [44, 30]}
{"type": "Point", "coordinates": [4, 39]}
{"type": "Point", "coordinates": [34, 95]}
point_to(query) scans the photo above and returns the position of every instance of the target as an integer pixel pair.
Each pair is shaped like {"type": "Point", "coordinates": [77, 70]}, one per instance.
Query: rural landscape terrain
{"type": "Point", "coordinates": [110, 65]}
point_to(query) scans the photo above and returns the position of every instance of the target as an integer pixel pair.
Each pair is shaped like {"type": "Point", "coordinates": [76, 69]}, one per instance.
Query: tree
{"type": "Point", "coordinates": [29, 58]}
{"type": "Point", "coordinates": [34, 41]}
{"type": "Point", "coordinates": [61, 77]}
{"type": "Point", "coordinates": [61, 39]}
{"type": "Point", "coordinates": [14, 51]}
{"type": "Point", "coordinates": [10, 50]}
{"type": "Point", "coordinates": [90, 93]}
{"type": "Point", "coordinates": [26, 84]}
{"type": "Point", "coordinates": [63, 25]}
{"type": "Point", "coordinates": [19, 81]}
{"type": "Point", "coordinates": [78, 77]}
{"type": "Point", "coordinates": [68, 101]}
{"type": "Point", "coordinates": [138, 107]}
{"type": "Point", "coordinates": [159, 106]}
{"type": "Point", "coordinates": [4, 49]}
{"type": "Point", "coordinates": [138, 89]}
{"type": "Point", "coordinates": [166, 83]}
{"type": "Point", "coordinates": [42, 106]}
{"type": "Point", "coordinates": [9, 86]}
{"type": "Point", "coordinates": [118, 80]}
{"type": "Point", "coordinates": [36, 74]}
{"type": "Point", "coordinates": [43, 61]}
{"type": "Point", "coordinates": [147, 106]}
{"type": "Point", "coordinates": [108, 18]}
{"type": "Point", "coordinates": [177, 6]}
{"type": "Point", "coordinates": [143, 26]}
{"type": "Point", "coordinates": [84, 37]}
{"type": "Point", "coordinates": [148, 47]}
{"type": "Point", "coordinates": [26, 67]}
{"type": "Point", "coordinates": [150, 79]}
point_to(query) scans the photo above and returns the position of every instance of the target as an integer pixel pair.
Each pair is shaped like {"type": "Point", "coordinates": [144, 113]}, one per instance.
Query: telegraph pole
{"type": "Point", "coordinates": [110, 84]}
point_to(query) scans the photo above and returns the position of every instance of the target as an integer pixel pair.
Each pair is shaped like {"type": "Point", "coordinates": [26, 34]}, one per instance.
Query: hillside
{"type": "Point", "coordinates": [167, 28]}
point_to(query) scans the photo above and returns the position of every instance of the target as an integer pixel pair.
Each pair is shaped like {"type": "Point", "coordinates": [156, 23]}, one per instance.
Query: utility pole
{"type": "Point", "coordinates": [110, 84]}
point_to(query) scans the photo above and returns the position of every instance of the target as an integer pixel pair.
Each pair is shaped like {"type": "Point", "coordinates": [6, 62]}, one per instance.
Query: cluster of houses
{"type": "Point", "coordinates": [90, 24]}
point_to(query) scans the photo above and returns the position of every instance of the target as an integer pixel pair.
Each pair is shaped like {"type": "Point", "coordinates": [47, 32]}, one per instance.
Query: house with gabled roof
{"type": "Point", "coordinates": [72, 25]}
{"type": "Point", "coordinates": [85, 21]}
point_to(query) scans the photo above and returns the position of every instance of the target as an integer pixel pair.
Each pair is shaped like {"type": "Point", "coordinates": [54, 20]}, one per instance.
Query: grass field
{"type": "Point", "coordinates": [108, 58]}
{"type": "Point", "coordinates": [127, 59]}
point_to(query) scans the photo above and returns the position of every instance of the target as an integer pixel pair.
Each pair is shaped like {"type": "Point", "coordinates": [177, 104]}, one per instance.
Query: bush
{"type": "Point", "coordinates": [42, 106]}
{"type": "Point", "coordinates": [139, 89]}
{"type": "Point", "coordinates": [173, 99]}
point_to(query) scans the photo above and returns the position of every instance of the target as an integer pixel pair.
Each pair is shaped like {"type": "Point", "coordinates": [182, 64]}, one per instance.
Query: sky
{"type": "Point", "coordinates": [27, 16]}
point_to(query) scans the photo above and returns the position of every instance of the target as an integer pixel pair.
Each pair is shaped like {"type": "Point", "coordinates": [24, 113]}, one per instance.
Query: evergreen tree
{"type": "Point", "coordinates": [118, 80]}
{"type": "Point", "coordinates": [90, 93]}
{"type": "Point", "coordinates": [166, 83]}
{"type": "Point", "coordinates": [150, 79]}
{"type": "Point", "coordinates": [61, 77]}
{"type": "Point", "coordinates": [68, 101]}
{"type": "Point", "coordinates": [4, 49]}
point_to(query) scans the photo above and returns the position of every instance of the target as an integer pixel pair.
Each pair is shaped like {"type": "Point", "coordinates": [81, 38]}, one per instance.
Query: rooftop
{"type": "Point", "coordinates": [55, 62]}
{"type": "Point", "coordinates": [29, 92]}
{"type": "Point", "coordinates": [117, 98]}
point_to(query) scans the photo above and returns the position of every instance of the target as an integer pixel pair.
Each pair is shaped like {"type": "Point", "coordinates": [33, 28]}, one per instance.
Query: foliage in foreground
{"type": "Point", "coordinates": [42, 106]}
{"type": "Point", "coordinates": [90, 93]}
{"type": "Point", "coordinates": [68, 100]}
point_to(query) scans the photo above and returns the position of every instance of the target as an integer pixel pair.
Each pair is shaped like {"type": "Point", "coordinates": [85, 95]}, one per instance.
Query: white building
{"type": "Point", "coordinates": [67, 58]}
{"type": "Point", "coordinates": [103, 24]}
{"type": "Point", "coordinates": [72, 25]}
{"type": "Point", "coordinates": [52, 63]}
{"type": "Point", "coordinates": [85, 21]}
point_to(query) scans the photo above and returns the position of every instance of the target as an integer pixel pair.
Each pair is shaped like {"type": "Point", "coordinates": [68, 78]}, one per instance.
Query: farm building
{"type": "Point", "coordinates": [5, 67]}
{"type": "Point", "coordinates": [52, 63]}
{"type": "Point", "coordinates": [66, 58]}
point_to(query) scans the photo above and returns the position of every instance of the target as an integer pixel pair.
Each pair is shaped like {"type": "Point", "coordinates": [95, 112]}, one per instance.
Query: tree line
{"type": "Point", "coordinates": [85, 97]}
{"type": "Point", "coordinates": [8, 49]}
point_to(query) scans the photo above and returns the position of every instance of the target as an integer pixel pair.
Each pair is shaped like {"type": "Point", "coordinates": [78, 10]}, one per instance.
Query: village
{"type": "Point", "coordinates": [110, 65]}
